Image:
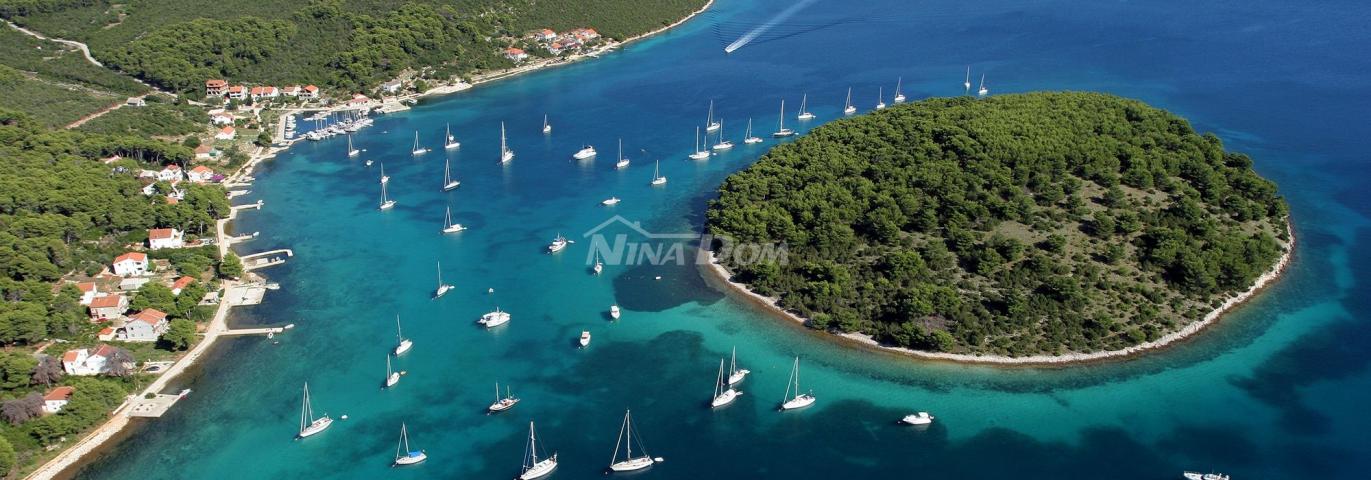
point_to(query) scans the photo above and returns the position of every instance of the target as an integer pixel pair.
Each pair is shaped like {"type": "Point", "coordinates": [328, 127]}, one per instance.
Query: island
{"type": "Point", "coordinates": [1031, 227]}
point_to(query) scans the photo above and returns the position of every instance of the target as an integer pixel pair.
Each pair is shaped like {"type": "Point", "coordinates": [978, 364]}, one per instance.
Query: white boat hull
{"type": "Point", "coordinates": [921, 418]}
{"type": "Point", "coordinates": [712, 127]}
{"type": "Point", "coordinates": [783, 133]}
{"type": "Point", "coordinates": [540, 469]}
{"type": "Point", "coordinates": [805, 116]}
{"type": "Point", "coordinates": [411, 459]}
{"type": "Point", "coordinates": [453, 145]}
{"type": "Point", "coordinates": [451, 185]}
{"type": "Point", "coordinates": [584, 154]}
{"type": "Point", "coordinates": [798, 402]}
{"type": "Point", "coordinates": [724, 398]}
{"type": "Point", "coordinates": [507, 156]}
{"type": "Point", "coordinates": [316, 427]}
{"type": "Point", "coordinates": [738, 376]}
{"type": "Point", "coordinates": [632, 464]}
{"type": "Point", "coordinates": [614, 312]}
{"type": "Point", "coordinates": [387, 205]}
{"type": "Point", "coordinates": [419, 151]}
{"type": "Point", "coordinates": [849, 110]}
{"type": "Point", "coordinates": [442, 290]}
{"type": "Point", "coordinates": [621, 164]}
{"type": "Point", "coordinates": [752, 140]}
{"type": "Point", "coordinates": [403, 347]}
{"type": "Point", "coordinates": [454, 228]}
{"type": "Point", "coordinates": [659, 181]}
{"type": "Point", "coordinates": [493, 319]}
{"type": "Point", "coordinates": [612, 201]}
{"type": "Point", "coordinates": [502, 405]}
{"type": "Point", "coordinates": [723, 146]}
{"type": "Point", "coordinates": [393, 379]}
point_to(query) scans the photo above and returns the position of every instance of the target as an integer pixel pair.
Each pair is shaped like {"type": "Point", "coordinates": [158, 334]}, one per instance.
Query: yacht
{"type": "Point", "coordinates": [392, 377]}
{"type": "Point", "coordinates": [418, 150]}
{"type": "Point", "coordinates": [628, 440]}
{"type": "Point", "coordinates": [804, 114]}
{"type": "Point", "coordinates": [781, 131]}
{"type": "Point", "coordinates": [534, 468]}
{"type": "Point", "coordinates": [442, 288]}
{"type": "Point", "coordinates": [352, 152]}
{"type": "Point", "coordinates": [558, 244]}
{"type": "Point", "coordinates": [899, 97]}
{"type": "Point", "coordinates": [405, 344]}
{"type": "Point", "coordinates": [614, 312]}
{"type": "Point", "coordinates": [505, 153]}
{"type": "Point", "coordinates": [585, 338]}
{"type": "Point", "coordinates": [736, 374]}
{"type": "Point", "coordinates": [793, 398]}
{"type": "Point", "coordinates": [494, 319]}
{"type": "Point", "coordinates": [405, 456]}
{"type": "Point", "coordinates": [448, 226]}
{"type": "Point", "coordinates": [599, 266]}
{"type": "Point", "coordinates": [386, 202]}
{"type": "Point", "coordinates": [502, 403]}
{"type": "Point", "coordinates": [623, 162]}
{"type": "Point", "coordinates": [848, 109]}
{"type": "Point", "coordinates": [723, 144]}
{"type": "Point", "coordinates": [450, 142]}
{"type": "Point", "coordinates": [547, 127]}
{"type": "Point", "coordinates": [921, 418]}
{"type": "Point", "coordinates": [982, 91]}
{"type": "Point", "coordinates": [585, 152]}
{"type": "Point", "coordinates": [747, 136]}
{"type": "Point", "coordinates": [723, 393]}
{"type": "Point", "coordinates": [369, 162]}
{"type": "Point", "coordinates": [880, 98]}
{"type": "Point", "coordinates": [657, 178]}
{"type": "Point", "coordinates": [308, 424]}
{"type": "Point", "coordinates": [699, 153]}
{"type": "Point", "coordinates": [610, 201]}
{"type": "Point", "coordinates": [710, 124]}
{"type": "Point", "coordinates": [1204, 476]}
{"type": "Point", "coordinates": [449, 183]}
{"type": "Point", "coordinates": [966, 85]}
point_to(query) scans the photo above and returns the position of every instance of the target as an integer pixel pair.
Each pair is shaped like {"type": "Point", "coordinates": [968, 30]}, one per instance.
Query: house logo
{"type": "Point", "coordinates": [619, 241]}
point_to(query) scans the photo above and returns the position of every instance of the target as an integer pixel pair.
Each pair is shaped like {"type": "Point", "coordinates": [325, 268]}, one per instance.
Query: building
{"type": "Point", "coordinates": [310, 91]}
{"type": "Point", "coordinates": [392, 86]}
{"type": "Point", "coordinates": [515, 54]}
{"type": "Point", "coordinates": [136, 102]}
{"type": "Point", "coordinates": [221, 118]}
{"type": "Point", "coordinates": [555, 48]}
{"type": "Point", "coordinates": [226, 133]}
{"type": "Point", "coordinates": [204, 152]}
{"type": "Point", "coordinates": [200, 174]}
{"type": "Point", "coordinates": [237, 92]}
{"type": "Point", "coordinates": [585, 34]}
{"type": "Point", "coordinates": [131, 264]}
{"type": "Point", "coordinates": [181, 284]}
{"type": "Point", "coordinates": [545, 35]}
{"type": "Point", "coordinates": [215, 87]}
{"type": "Point", "coordinates": [144, 326]}
{"type": "Point", "coordinates": [108, 306]}
{"type": "Point", "coordinates": [170, 173]}
{"type": "Point", "coordinates": [159, 238]}
{"type": "Point", "coordinates": [264, 92]}
{"type": "Point", "coordinates": [106, 334]}
{"type": "Point", "coordinates": [87, 361]}
{"type": "Point", "coordinates": [55, 399]}
{"type": "Point", "coordinates": [88, 292]}
{"type": "Point", "coordinates": [359, 100]}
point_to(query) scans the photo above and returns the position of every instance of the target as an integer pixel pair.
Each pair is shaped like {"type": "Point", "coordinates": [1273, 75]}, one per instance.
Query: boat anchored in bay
{"type": "Point", "coordinates": [450, 142]}
{"type": "Point", "coordinates": [405, 344]}
{"type": "Point", "coordinates": [724, 394]}
{"type": "Point", "coordinates": [724, 144]}
{"type": "Point", "coordinates": [308, 424]}
{"type": "Point", "coordinates": [405, 456]}
{"type": "Point", "coordinates": [442, 288]}
{"type": "Point", "coordinates": [736, 374]}
{"type": "Point", "coordinates": [449, 226]}
{"type": "Point", "coordinates": [417, 150]}
{"type": "Point", "coordinates": [781, 131]}
{"type": "Point", "coordinates": [793, 398]}
{"type": "Point", "coordinates": [502, 403]}
{"type": "Point", "coordinates": [534, 468]}
{"type": "Point", "coordinates": [628, 439]}
{"type": "Point", "coordinates": [494, 319]}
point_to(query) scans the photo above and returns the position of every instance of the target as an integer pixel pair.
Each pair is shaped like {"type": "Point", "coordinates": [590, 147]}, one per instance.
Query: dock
{"type": "Point", "coordinates": [154, 407]}
{"type": "Point", "coordinates": [238, 193]}
{"type": "Point", "coordinates": [241, 238]}
{"type": "Point", "coordinates": [266, 259]}
{"type": "Point", "coordinates": [250, 206]}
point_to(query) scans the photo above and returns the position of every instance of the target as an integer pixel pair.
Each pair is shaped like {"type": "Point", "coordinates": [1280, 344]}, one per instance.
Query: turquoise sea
{"type": "Point", "coordinates": [1276, 390]}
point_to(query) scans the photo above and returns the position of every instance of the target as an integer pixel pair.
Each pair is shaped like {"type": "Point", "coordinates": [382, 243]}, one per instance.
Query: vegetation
{"type": "Point", "coordinates": [1015, 225]}
{"type": "Point", "coordinates": [159, 118]}
{"type": "Point", "coordinates": [53, 82]}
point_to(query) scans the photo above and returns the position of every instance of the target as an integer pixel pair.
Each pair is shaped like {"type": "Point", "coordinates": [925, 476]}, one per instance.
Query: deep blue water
{"type": "Point", "coordinates": [1276, 390]}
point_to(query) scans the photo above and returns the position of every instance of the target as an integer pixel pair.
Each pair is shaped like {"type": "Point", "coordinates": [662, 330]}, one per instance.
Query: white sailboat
{"type": "Point", "coordinates": [547, 127]}
{"type": "Point", "coordinates": [308, 424]}
{"type": "Point", "coordinates": [920, 418]}
{"type": "Point", "coordinates": [585, 338]}
{"type": "Point", "coordinates": [599, 266]}
{"type": "Point", "coordinates": [781, 131]}
{"type": "Point", "coordinates": [352, 152]}
{"type": "Point", "coordinates": [966, 85]}
{"type": "Point", "coordinates": [494, 319]}
{"type": "Point", "coordinates": [710, 124]}
{"type": "Point", "coordinates": [804, 114]}
{"type": "Point", "coordinates": [848, 108]}
{"type": "Point", "coordinates": [982, 91]}
{"type": "Point", "coordinates": [405, 456]}
{"type": "Point", "coordinates": [723, 143]}
{"type": "Point", "coordinates": [450, 142]}
{"type": "Point", "coordinates": [899, 97]}
{"type": "Point", "coordinates": [418, 150]}
{"type": "Point", "coordinates": [797, 400]}
{"type": "Point", "coordinates": [747, 136]}
{"type": "Point", "coordinates": [587, 151]}
{"type": "Point", "coordinates": [880, 98]}
{"type": "Point", "coordinates": [657, 178]}
{"type": "Point", "coordinates": [502, 403]}
{"type": "Point", "coordinates": [1204, 476]}
{"type": "Point", "coordinates": [614, 312]}
{"type": "Point", "coordinates": [628, 440]}
{"type": "Point", "coordinates": [723, 393]}
{"type": "Point", "coordinates": [699, 152]}
{"type": "Point", "coordinates": [386, 202]}
{"type": "Point", "coordinates": [534, 468]}
{"type": "Point", "coordinates": [449, 183]}
{"type": "Point", "coordinates": [448, 226]}
{"type": "Point", "coordinates": [405, 343]}
{"type": "Point", "coordinates": [505, 153]}
{"type": "Point", "coordinates": [392, 377]}
{"type": "Point", "coordinates": [558, 244]}
{"type": "Point", "coordinates": [736, 374]}
{"type": "Point", "coordinates": [623, 162]}
{"type": "Point", "coordinates": [442, 288]}
{"type": "Point", "coordinates": [611, 201]}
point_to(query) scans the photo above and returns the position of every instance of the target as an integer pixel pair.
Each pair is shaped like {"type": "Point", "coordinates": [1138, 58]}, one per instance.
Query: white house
{"type": "Point", "coordinates": [181, 284]}
{"type": "Point", "coordinates": [221, 118]}
{"type": "Point", "coordinates": [515, 54]}
{"type": "Point", "coordinates": [145, 326]}
{"type": "Point", "coordinates": [310, 91]}
{"type": "Point", "coordinates": [55, 399]}
{"type": "Point", "coordinates": [108, 306]}
{"type": "Point", "coordinates": [170, 173]}
{"type": "Point", "coordinates": [226, 133]}
{"type": "Point", "coordinates": [237, 92]}
{"type": "Point", "coordinates": [88, 292]}
{"type": "Point", "coordinates": [204, 152]}
{"type": "Point", "coordinates": [291, 91]}
{"type": "Point", "coordinates": [200, 174]}
{"type": "Point", "coordinates": [86, 362]}
{"type": "Point", "coordinates": [391, 86]}
{"type": "Point", "coordinates": [159, 238]}
{"type": "Point", "coordinates": [130, 264]}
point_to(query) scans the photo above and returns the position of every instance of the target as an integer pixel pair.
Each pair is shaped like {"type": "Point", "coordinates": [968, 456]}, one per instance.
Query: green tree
{"type": "Point", "coordinates": [230, 266]}
{"type": "Point", "coordinates": [154, 295]}
{"type": "Point", "coordinates": [180, 334]}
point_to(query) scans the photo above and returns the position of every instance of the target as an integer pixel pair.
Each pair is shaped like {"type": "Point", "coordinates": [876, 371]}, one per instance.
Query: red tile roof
{"type": "Point", "coordinates": [311, 88]}
{"type": "Point", "coordinates": [201, 169]}
{"type": "Point", "coordinates": [103, 351]}
{"type": "Point", "coordinates": [226, 130]}
{"type": "Point", "coordinates": [182, 282]}
{"type": "Point", "coordinates": [203, 149]}
{"type": "Point", "coordinates": [70, 356]}
{"type": "Point", "coordinates": [161, 233]}
{"type": "Point", "coordinates": [106, 301]}
{"type": "Point", "coordinates": [135, 256]}
{"type": "Point", "coordinates": [215, 82]}
{"type": "Point", "coordinates": [85, 286]}
{"type": "Point", "coordinates": [59, 393]}
{"type": "Point", "coordinates": [150, 316]}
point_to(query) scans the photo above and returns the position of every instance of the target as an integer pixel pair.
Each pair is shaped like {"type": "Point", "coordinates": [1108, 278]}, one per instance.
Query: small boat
{"type": "Point", "coordinates": [405, 456]}
{"type": "Point", "coordinates": [628, 439]}
{"type": "Point", "coordinates": [369, 162]}
{"type": "Point", "coordinates": [623, 162]}
{"type": "Point", "coordinates": [710, 124]}
{"type": "Point", "coordinates": [657, 178]}
{"type": "Point", "coordinates": [804, 114]}
{"type": "Point", "coordinates": [352, 152]}
{"type": "Point", "coordinates": [736, 374]}
{"type": "Point", "coordinates": [848, 109]}
{"type": "Point", "coordinates": [494, 319]}
{"type": "Point", "coordinates": [585, 338]}
{"type": "Point", "coordinates": [921, 418]}
{"type": "Point", "coordinates": [723, 393]}
{"type": "Point", "coordinates": [599, 266]}
{"type": "Point", "coordinates": [781, 131]}
{"type": "Point", "coordinates": [547, 127]}
{"type": "Point", "coordinates": [880, 99]}
{"type": "Point", "coordinates": [558, 244]}
{"type": "Point", "coordinates": [386, 202]}
{"type": "Point", "coordinates": [966, 85]}
{"type": "Point", "coordinates": [308, 424]}
{"type": "Point", "coordinates": [384, 178]}
{"type": "Point", "coordinates": [449, 183]}
{"type": "Point", "coordinates": [610, 201]}
{"type": "Point", "coordinates": [614, 312]}
{"type": "Point", "coordinates": [747, 136]}
{"type": "Point", "coordinates": [982, 91]}
{"type": "Point", "coordinates": [405, 343]}
{"type": "Point", "coordinates": [442, 288]}
{"type": "Point", "coordinates": [448, 226]}
{"type": "Point", "coordinates": [899, 97]}
{"type": "Point", "coordinates": [505, 153]}
{"type": "Point", "coordinates": [533, 468]}
{"type": "Point", "coordinates": [723, 144]}
{"type": "Point", "coordinates": [450, 142]}
{"type": "Point", "coordinates": [699, 153]}
{"type": "Point", "coordinates": [1204, 476]}
{"type": "Point", "coordinates": [418, 150]}
{"type": "Point", "coordinates": [585, 152]}
{"type": "Point", "coordinates": [793, 398]}
{"type": "Point", "coordinates": [392, 377]}
{"type": "Point", "coordinates": [502, 403]}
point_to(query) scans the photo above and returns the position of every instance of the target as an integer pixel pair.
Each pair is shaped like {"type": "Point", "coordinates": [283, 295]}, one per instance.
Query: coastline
{"type": "Point", "coordinates": [718, 272]}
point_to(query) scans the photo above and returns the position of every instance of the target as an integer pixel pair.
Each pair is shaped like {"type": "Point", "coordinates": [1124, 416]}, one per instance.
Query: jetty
{"type": "Point", "coordinates": [266, 259]}
{"type": "Point", "coordinates": [250, 206]}
{"type": "Point", "coordinates": [238, 193]}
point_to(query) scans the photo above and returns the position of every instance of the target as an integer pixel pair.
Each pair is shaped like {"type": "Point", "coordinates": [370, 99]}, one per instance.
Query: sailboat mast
{"type": "Point", "coordinates": [782, 125]}
{"type": "Point", "coordinates": [399, 334]}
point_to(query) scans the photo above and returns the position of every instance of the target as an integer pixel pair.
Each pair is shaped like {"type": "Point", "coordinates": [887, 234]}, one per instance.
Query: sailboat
{"type": "Point", "coordinates": [386, 202]}
{"type": "Point", "coordinates": [599, 266]}
{"type": "Point", "coordinates": [443, 288]}
{"type": "Point", "coordinates": [405, 344]}
{"type": "Point", "coordinates": [558, 244]}
{"type": "Point", "coordinates": [384, 178]}
{"type": "Point", "coordinates": [723, 393]}
{"type": "Point", "coordinates": [449, 183]}
{"type": "Point", "coordinates": [880, 98]}
{"type": "Point", "coordinates": [308, 424]}
{"type": "Point", "coordinates": [547, 127]}
{"type": "Point", "coordinates": [352, 152]}
{"type": "Point", "coordinates": [392, 377]}
{"type": "Point", "coordinates": [657, 178]}
{"type": "Point", "coordinates": [614, 312]}
{"type": "Point", "coordinates": [899, 97]}
{"type": "Point", "coordinates": [710, 124]}
{"type": "Point", "coordinates": [747, 136]}
{"type": "Point", "coordinates": [533, 468]}
{"type": "Point", "coordinates": [736, 374]}
{"type": "Point", "coordinates": [966, 85]}
{"type": "Point", "coordinates": [982, 91]}
{"type": "Point", "coordinates": [448, 226]}
{"type": "Point", "coordinates": [450, 142]}
{"type": "Point", "coordinates": [723, 144]}
{"type": "Point", "coordinates": [505, 153]}
{"type": "Point", "coordinates": [628, 439]}
{"type": "Point", "coordinates": [699, 152]}
{"type": "Point", "coordinates": [586, 151]}
{"type": "Point", "coordinates": [623, 162]}
{"type": "Point", "coordinates": [798, 400]}
{"type": "Point", "coordinates": [848, 109]}
{"type": "Point", "coordinates": [502, 403]}
{"type": "Point", "coordinates": [405, 456]}
{"type": "Point", "coordinates": [611, 201]}
{"type": "Point", "coordinates": [417, 149]}
{"type": "Point", "coordinates": [494, 319]}
{"type": "Point", "coordinates": [781, 131]}
{"type": "Point", "coordinates": [804, 114]}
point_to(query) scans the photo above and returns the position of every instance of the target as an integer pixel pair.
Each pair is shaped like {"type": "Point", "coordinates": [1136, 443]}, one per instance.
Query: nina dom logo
{"type": "Point", "coordinates": [618, 241]}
